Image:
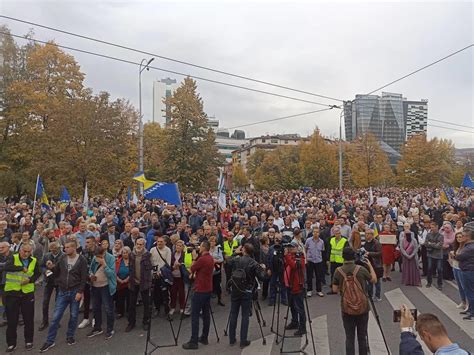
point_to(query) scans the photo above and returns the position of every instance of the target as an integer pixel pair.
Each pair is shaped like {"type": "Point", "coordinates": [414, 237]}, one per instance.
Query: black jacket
{"type": "Point", "coordinates": [69, 280]}
{"type": "Point", "coordinates": [252, 270]}
{"type": "Point", "coordinates": [50, 281]}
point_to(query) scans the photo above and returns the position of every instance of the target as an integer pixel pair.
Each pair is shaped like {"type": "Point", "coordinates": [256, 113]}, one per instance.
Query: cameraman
{"type": "Point", "coordinates": [275, 271]}
{"type": "Point", "coordinates": [354, 315]}
{"type": "Point", "coordinates": [294, 280]}
{"type": "Point", "coordinates": [374, 253]}
{"type": "Point", "coordinates": [244, 271]}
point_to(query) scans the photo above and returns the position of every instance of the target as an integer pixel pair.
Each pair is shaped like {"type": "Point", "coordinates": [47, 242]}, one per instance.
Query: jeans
{"type": "Point", "coordinates": [87, 300]}
{"type": "Point", "coordinates": [63, 300]}
{"type": "Point", "coordinates": [459, 280]}
{"type": "Point", "coordinates": [370, 289]}
{"type": "Point", "coordinates": [318, 270]}
{"type": "Point", "coordinates": [298, 315]}
{"type": "Point", "coordinates": [101, 295]}
{"type": "Point", "coordinates": [200, 301]}
{"type": "Point", "coordinates": [244, 302]}
{"type": "Point", "coordinates": [276, 281]}
{"type": "Point", "coordinates": [132, 311]}
{"type": "Point", "coordinates": [47, 293]}
{"type": "Point", "coordinates": [468, 282]}
{"type": "Point", "coordinates": [438, 264]}
{"type": "Point", "coordinates": [24, 303]}
{"type": "Point", "coordinates": [351, 323]}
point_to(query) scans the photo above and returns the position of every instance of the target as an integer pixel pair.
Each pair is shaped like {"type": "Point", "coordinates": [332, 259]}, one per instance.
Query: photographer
{"type": "Point", "coordinates": [244, 271]}
{"type": "Point", "coordinates": [431, 331]}
{"type": "Point", "coordinates": [351, 280]}
{"type": "Point", "coordinates": [374, 253]}
{"type": "Point", "coordinates": [275, 271]}
{"type": "Point", "coordinates": [294, 281]}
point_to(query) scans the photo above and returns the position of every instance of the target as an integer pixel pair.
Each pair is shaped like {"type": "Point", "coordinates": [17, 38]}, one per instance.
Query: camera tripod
{"type": "Point", "coordinates": [183, 315]}
{"type": "Point", "coordinates": [155, 346]}
{"type": "Point", "coordinates": [258, 314]}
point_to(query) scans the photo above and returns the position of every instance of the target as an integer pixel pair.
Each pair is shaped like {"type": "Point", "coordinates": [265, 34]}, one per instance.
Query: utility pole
{"type": "Point", "coordinates": [340, 149]}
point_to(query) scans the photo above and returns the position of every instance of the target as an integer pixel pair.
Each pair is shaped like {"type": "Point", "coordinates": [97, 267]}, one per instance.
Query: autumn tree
{"type": "Point", "coordinates": [153, 141]}
{"type": "Point", "coordinates": [425, 162]}
{"type": "Point", "coordinates": [318, 162]}
{"type": "Point", "coordinates": [254, 161]}
{"type": "Point", "coordinates": [368, 164]}
{"type": "Point", "coordinates": [239, 178]}
{"type": "Point", "coordinates": [190, 154]}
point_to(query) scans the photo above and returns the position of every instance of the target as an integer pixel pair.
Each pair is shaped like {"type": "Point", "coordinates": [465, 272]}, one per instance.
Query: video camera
{"type": "Point", "coordinates": [192, 247]}
{"type": "Point", "coordinates": [361, 256]}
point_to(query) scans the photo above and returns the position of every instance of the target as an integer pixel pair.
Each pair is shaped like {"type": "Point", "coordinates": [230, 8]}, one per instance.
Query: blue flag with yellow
{"type": "Point", "coordinates": [168, 192]}
{"type": "Point", "coordinates": [41, 193]}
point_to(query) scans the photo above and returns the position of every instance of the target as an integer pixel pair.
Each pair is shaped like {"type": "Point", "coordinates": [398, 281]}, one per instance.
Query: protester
{"type": "Point", "coordinates": [409, 253]}
{"type": "Point", "coordinates": [160, 257]}
{"type": "Point", "coordinates": [431, 331]}
{"type": "Point", "coordinates": [216, 253]}
{"type": "Point", "coordinates": [355, 315]}
{"type": "Point", "coordinates": [122, 269]}
{"type": "Point", "coordinates": [177, 289]}
{"type": "Point", "coordinates": [466, 263]}
{"type": "Point", "coordinates": [434, 250]}
{"type": "Point", "coordinates": [89, 253]}
{"type": "Point", "coordinates": [314, 247]}
{"type": "Point", "coordinates": [374, 253]}
{"type": "Point", "coordinates": [202, 268]}
{"type": "Point", "coordinates": [70, 272]}
{"type": "Point", "coordinates": [336, 244]}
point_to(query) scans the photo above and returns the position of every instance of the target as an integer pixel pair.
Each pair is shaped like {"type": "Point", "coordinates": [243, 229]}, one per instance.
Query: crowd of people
{"type": "Point", "coordinates": [113, 255]}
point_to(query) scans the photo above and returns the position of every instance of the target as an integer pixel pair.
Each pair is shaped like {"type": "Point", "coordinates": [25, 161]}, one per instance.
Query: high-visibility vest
{"type": "Point", "coordinates": [336, 250]}
{"type": "Point", "coordinates": [229, 249]}
{"type": "Point", "coordinates": [188, 259]}
{"type": "Point", "coordinates": [13, 279]}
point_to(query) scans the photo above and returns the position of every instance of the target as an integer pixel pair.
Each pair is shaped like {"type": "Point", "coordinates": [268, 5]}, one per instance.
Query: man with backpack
{"type": "Point", "coordinates": [242, 283]}
{"type": "Point", "coordinates": [351, 279]}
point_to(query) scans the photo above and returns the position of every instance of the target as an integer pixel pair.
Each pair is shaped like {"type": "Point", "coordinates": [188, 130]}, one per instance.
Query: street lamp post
{"type": "Point", "coordinates": [141, 68]}
{"type": "Point", "coordinates": [340, 150]}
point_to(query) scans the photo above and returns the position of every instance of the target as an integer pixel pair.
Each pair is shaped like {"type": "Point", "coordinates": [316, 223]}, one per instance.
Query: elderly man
{"type": "Point", "coordinates": [336, 246]}
{"type": "Point", "coordinates": [5, 255]}
{"type": "Point", "coordinates": [131, 240]}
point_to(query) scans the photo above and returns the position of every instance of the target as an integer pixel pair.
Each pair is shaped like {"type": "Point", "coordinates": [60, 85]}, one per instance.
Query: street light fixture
{"type": "Point", "coordinates": [141, 68]}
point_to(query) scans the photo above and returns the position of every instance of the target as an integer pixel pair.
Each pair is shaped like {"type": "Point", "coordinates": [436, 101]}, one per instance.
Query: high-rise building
{"type": "Point", "coordinates": [387, 117]}
{"type": "Point", "coordinates": [416, 117]}
{"type": "Point", "coordinates": [162, 89]}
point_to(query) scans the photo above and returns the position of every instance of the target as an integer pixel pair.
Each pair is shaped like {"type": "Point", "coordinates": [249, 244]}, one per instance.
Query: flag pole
{"type": "Point", "coordinates": [34, 201]}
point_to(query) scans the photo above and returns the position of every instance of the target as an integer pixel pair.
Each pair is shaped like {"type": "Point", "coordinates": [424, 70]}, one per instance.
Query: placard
{"type": "Point", "coordinates": [388, 239]}
{"type": "Point", "coordinates": [383, 201]}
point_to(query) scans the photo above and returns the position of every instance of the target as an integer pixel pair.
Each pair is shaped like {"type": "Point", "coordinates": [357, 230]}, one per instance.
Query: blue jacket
{"type": "Point", "coordinates": [410, 346]}
{"type": "Point", "coordinates": [150, 238]}
{"type": "Point", "coordinates": [109, 271]}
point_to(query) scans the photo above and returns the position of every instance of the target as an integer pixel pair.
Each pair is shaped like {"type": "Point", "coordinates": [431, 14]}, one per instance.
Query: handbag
{"type": "Point", "coordinates": [165, 270]}
{"type": "Point", "coordinates": [396, 254]}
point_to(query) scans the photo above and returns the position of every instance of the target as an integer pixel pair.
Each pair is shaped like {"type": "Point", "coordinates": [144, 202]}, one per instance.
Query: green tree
{"type": "Point", "coordinates": [153, 142]}
{"type": "Point", "coordinates": [239, 178]}
{"type": "Point", "coordinates": [190, 154]}
{"type": "Point", "coordinates": [254, 161]}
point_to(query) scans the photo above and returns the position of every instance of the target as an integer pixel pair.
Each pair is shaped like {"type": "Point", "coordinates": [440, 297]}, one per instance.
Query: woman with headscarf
{"type": "Point", "coordinates": [117, 249]}
{"type": "Point", "coordinates": [449, 236]}
{"type": "Point", "coordinates": [409, 254]}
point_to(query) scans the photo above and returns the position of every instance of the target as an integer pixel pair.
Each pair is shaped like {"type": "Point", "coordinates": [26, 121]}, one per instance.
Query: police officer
{"type": "Point", "coordinates": [244, 271]}
{"type": "Point", "coordinates": [22, 272]}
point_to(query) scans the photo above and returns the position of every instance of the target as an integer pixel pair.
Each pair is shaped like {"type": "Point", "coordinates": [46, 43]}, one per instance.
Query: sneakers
{"type": "Point", "coordinates": [46, 347]}
{"type": "Point", "coordinates": [309, 294]}
{"type": "Point", "coordinates": [94, 332]}
{"type": "Point", "coordinates": [190, 346]}
{"type": "Point", "coordinates": [109, 335]}
{"type": "Point", "coordinates": [29, 346]}
{"type": "Point", "coordinates": [461, 306]}
{"type": "Point", "coordinates": [10, 349]}
{"type": "Point", "coordinates": [463, 312]}
{"type": "Point", "coordinates": [291, 326]}
{"type": "Point", "coordinates": [70, 341]}
{"type": "Point", "coordinates": [378, 299]}
{"type": "Point", "coordinates": [320, 294]}
{"type": "Point", "coordinates": [428, 285]}
{"type": "Point", "coordinates": [172, 310]}
{"type": "Point", "coordinates": [129, 328]}
{"type": "Point", "coordinates": [84, 324]}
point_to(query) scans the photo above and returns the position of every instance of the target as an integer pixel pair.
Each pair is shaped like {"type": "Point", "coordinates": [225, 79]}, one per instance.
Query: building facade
{"type": "Point", "coordinates": [416, 117]}
{"type": "Point", "coordinates": [162, 89]}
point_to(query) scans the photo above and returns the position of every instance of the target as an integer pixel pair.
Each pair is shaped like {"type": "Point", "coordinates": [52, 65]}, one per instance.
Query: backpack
{"type": "Point", "coordinates": [239, 279]}
{"type": "Point", "coordinates": [354, 301]}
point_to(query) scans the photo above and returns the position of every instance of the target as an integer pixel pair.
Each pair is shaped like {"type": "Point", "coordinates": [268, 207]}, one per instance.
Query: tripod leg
{"type": "Point", "coordinates": [150, 309]}
{"type": "Point", "coordinates": [182, 314]}
{"type": "Point", "coordinates": [258, 309]}
{"type": "Point", "coordinates": [214, 322]}
{"type": "Point", "coordinates": [227, 326]}
{"type": "Point", "coordinates": [310, 322]}
{"type": "Point", "coordinates": [257, 314]}
{"type": "Point", "coordinates": [284, 328]}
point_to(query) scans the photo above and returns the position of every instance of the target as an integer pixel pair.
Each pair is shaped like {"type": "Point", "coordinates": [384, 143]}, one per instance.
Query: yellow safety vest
{"type": "Point", "coordinates": [188, 259]}
{"type": "Point", "coordinates": [336, 250]}
{"type": "Point", "coordinates": [229, 249]}
{"type": "Point", "coordinates": [13, 279]}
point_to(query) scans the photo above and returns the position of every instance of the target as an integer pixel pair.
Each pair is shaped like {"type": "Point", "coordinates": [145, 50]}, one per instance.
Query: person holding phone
{"type": "Point", "coordinates": [431, 331]}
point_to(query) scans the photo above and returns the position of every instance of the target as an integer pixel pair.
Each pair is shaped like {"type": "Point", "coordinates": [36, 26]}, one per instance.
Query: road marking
{"type": "Point", "coordinates": [321, 337]}
{"type": "Point", "coordinates": [396, 298]}
{"type": "Point", "coordinates": [445, 304]}
{"type": "Point", "coordinates": [376, 342]}
{"type": "Point", "coordinates": [256, 347]}
{"type": "Point", "coordinates": [452, 284]}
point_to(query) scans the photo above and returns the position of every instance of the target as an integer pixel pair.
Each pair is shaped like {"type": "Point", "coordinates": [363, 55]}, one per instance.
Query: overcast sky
{"type": "Point", "coordinates": [337, 49]}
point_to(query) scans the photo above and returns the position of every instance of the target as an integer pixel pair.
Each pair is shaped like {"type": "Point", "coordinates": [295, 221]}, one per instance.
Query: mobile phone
{"type": "Point", "coordinates": [397, 314]}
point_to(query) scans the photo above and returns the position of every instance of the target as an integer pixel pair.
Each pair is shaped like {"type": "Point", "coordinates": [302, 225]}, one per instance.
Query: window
{"type": "Point", "coordinates": [286, 142]}
{"type": "Point", "coordinates": [263, 140]}
{"type": "Point", "coordinates": [275, 141]}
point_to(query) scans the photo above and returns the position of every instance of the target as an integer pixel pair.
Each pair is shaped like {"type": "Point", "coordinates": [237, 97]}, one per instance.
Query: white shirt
{"type": "Point", "coordinates": [156, 260]}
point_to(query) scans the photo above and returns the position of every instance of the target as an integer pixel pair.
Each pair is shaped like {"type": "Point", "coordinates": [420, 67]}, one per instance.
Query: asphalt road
{"type": "Point", "coordinates": [328, 331]}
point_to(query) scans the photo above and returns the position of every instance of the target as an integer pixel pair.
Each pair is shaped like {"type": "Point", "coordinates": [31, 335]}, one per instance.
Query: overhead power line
{"type": "Point", "coordinates": [453, 129]}
{"type": "Point", "coordinates": [169, 59]}
{"type": "Point", "coordinates": [452, 124]}
{"type": "Point", "coordinates": [168, 71]}
{"type": "Point", "coordinates": [420, 69]}
{"type": "Point", "coordinates": [280, 118]}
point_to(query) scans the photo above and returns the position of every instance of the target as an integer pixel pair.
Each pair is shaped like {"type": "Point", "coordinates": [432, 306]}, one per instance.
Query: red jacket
{"type": "Point", "coordinates": [294, 277]}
